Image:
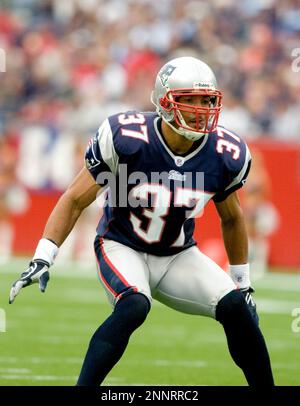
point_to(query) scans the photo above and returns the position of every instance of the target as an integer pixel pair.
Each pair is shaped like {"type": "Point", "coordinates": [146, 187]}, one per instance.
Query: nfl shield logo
{"type": "Point", "coordinates": [179, 161]}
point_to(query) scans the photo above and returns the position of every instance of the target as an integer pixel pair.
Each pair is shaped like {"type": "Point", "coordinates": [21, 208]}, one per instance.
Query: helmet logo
{"type": "Point", "coordinates": [165, 73]}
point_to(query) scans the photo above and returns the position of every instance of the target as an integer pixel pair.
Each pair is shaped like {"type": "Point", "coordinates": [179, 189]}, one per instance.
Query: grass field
{"type": "Point", "coordinates": [47, 335]}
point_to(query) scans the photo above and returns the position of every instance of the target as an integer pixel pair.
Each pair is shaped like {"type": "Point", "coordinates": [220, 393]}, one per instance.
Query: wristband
{"type": "Point", "coordinates": [240, 275]}
{"type": "Point", "coordinates": [46, 250]}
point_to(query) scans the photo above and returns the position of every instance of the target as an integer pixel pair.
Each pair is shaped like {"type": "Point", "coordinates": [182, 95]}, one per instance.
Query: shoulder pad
{"type": "Point", "coordinates": [130, 131]}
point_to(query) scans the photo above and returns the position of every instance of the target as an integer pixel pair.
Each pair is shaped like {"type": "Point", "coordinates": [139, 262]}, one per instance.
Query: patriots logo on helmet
{"type": "Point", "coordinates": [165, 73]}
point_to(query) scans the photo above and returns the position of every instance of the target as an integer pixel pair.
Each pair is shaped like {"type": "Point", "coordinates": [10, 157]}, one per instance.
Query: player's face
{"type": "Point", "coordinates": [198, 101]}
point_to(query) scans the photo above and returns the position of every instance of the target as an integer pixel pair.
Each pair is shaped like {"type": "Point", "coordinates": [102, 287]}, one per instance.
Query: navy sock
{"type": "Point", "coordinates": [111, 338]}
{"type": "Point", "coordinates": [245, 340]}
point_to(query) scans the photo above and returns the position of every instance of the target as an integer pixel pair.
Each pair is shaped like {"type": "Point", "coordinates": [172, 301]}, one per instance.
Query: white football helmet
{"type": "Point", "coordinates": [187, 76]}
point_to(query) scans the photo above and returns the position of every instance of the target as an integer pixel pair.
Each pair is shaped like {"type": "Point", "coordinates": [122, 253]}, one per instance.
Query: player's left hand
{"type": "Point", "coordinates": [247, 292]}
{"type": "Point", "coordinates": [37, 272]}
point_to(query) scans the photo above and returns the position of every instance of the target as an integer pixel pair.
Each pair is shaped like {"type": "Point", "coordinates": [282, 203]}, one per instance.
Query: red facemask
{"type": "Point", "coordinates": [205, 119]}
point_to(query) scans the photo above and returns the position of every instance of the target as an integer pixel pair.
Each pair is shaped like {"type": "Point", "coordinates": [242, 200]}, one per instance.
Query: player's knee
{"type": "Point", "coordinates": [134, 308]}
{"type": "Point", "coordinates": [231, 307]}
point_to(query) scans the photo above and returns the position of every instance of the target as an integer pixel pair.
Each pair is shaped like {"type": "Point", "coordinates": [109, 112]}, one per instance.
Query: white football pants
{"type": "Point", "coordinates": [189, 282]}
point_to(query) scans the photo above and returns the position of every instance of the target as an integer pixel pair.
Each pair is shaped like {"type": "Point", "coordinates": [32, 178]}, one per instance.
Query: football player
{"type": "Point", "coordinates": [176, 160]}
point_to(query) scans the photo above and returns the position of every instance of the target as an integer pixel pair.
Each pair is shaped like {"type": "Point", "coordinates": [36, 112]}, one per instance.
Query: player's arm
{"type": "Point", "coordinates": [233, 229]}
{"type": "Point", "coordinates": [229, 209]}
{"type": "Point", "coordinates": [236, 244]}
{"type": "Point", "coordinates": [80, 194]}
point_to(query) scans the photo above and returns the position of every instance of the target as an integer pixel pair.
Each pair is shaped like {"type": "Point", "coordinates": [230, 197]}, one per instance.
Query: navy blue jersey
{"type": "Point", "coordinates": [152, 194]}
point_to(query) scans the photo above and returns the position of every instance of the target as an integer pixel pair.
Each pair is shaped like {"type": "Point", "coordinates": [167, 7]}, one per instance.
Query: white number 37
{"type": "Point", "coordinates": [224, 145]}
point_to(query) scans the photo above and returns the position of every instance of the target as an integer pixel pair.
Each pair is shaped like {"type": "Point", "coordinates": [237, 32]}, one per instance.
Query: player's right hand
{"type": "Point", "coordinates": [37, 272]}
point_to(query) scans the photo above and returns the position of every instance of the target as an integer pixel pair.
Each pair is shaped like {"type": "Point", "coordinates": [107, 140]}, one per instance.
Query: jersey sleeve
{"type": "Point", "coordinates": [236, 171]}
{"type": "Point", "coordinates": [100, 155]}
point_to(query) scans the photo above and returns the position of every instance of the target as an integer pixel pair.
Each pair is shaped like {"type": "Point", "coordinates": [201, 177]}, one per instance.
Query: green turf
{"type": "Point", "coordinates": [47, 335]}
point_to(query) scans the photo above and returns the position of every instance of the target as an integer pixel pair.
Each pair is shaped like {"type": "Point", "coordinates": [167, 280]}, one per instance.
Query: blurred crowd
{"type": "Point", "coordinates": [71, 63]}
